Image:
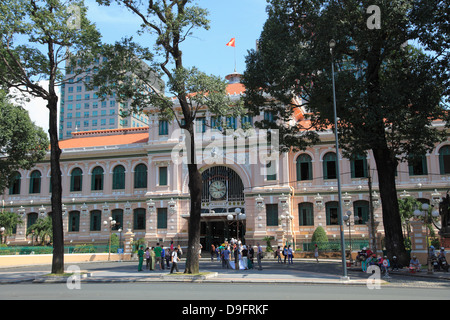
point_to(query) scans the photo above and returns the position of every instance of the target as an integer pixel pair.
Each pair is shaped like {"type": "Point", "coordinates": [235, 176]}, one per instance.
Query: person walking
{"type": "Point", "coordinates": [316, 253]}
{"type": "Point", "coordinates": [251, 255]}
{"type": "Point", "coordinates": [278, 255]}
{"type": "Point", "coordinates": [213, 252]}
{"type": "Point", "coordinates": [158, 252]}
{"type": "Point", "coordinates": [290, 255]}
{"type": "Point", "coordinates": [244, 256]}
{"type": "Point", "coordinates": [259, 256]}
{"type": "Point", "coordinates": [141, 257]}
{"type": "Point", "coordinates": [285, 253]}
{"type": "Point", "coordinates": [147, 259]}
{"type": "Point", "coordinates": [226, 257]}
{"type": "Point", "coordinates": [152, 257]}
{"type": "Point", "coordinates": [168, 257]}
{"type": "Point", "coordinates": [174, 260]}
{"type": "Point", "coordinates": [236, 257]}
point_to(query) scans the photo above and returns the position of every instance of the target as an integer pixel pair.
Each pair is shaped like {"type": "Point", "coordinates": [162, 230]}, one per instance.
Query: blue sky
{"type": "Point", "coordinates": [205, 49]}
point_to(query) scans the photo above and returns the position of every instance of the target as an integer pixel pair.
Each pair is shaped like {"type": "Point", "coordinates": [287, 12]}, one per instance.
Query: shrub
{"type": "Point", "coordinates": [319, 236]}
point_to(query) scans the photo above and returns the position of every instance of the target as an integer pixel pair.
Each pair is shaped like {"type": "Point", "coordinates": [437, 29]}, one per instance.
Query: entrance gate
{"type": "Point", "coordinates": [223, 193]}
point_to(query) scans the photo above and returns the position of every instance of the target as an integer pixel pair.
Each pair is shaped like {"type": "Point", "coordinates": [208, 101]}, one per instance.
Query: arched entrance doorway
{"type": "Point", "coordinates": [223, 193]}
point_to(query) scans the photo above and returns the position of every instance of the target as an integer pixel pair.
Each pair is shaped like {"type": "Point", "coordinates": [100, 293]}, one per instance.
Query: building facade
{"type": "Point", "coordinates": [137, 177]}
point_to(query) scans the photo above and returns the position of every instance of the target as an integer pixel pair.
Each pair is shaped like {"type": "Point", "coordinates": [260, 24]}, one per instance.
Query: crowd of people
{"type": "Point", "coordinates": [160, 256]}
{"type": "Point", "coordinates": [367, 258]}
{"type": "Point", "coordinates": [235, 255]}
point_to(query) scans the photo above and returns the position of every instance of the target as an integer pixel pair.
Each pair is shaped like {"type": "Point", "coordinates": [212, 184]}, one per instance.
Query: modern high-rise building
{"type": "Point", "coordinates": [82, 109]}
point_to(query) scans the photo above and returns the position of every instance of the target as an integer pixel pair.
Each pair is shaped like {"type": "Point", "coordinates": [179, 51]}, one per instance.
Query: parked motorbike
{"type": "Point", "coordinates": [443, 263]}
{"type": "Point", "coordinates": [435, 263]}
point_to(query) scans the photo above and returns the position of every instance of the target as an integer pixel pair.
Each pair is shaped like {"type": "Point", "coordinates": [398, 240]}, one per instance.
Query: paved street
{"type": "Point", "coordinates": [305, 279]}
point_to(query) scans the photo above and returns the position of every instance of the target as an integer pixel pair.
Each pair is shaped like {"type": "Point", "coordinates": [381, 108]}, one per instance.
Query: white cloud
{"type": "Point", "coordinates": [37, 108]}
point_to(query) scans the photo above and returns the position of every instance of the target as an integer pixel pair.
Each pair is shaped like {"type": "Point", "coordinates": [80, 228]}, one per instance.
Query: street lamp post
{"type": "Point", "coordinates": [112, 224]}
{"type": "Point", "coordinates": [239, 216]}
{"type": "Point", "coordinates": [427, 218]}
{"type": "Point", "coordinates": [332, 44]}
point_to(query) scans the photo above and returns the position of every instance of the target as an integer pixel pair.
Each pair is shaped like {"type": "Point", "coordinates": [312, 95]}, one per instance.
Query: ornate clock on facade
{"type": "Point", "coordinates": [217, 189]}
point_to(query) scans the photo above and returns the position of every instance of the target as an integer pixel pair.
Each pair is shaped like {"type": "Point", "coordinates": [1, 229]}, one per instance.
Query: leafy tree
{"type": "Point", "coordinates": [388, 92]}
{"type": "Point", "coordinates": [22, 143]}
{"type": "Point", "coordinates": [36, 40]}
{"type": "Point", "coordinates": [171, 21]}
{"type": "Point", "coordinates": [9, 220]}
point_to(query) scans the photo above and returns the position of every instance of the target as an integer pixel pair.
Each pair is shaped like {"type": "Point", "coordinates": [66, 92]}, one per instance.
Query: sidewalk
{"type": "Point", "coordinates": [303, 271]}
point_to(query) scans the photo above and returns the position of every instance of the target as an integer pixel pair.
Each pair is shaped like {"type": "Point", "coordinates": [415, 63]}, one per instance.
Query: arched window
{"type": "Point", "coordinates": [96, 220]}
{"type": "Point", "coordinates": [117, 215]}
{"type": "Point", "coordinates": [118, 177]}
{"type": "Point", "coordinates": [417, 165]}
{"type": "Point", "coordinates": [306, 214]}
{"type": "Point", "coordinates": [139, 219]}
{"type": "Point", "coordinates": [358, 166]}
{"type": "Point", "coordinates": [35, 182]}
{"type": "Point", "coordinates": [329, 166]}
{"type": "Point", "coordinates": [97, 179]}
{"type": "Point", "coordinates": [31, 219]}
{"type": "Point", "coordinates": [332, 213]}
{"type": "Point", "coordinates": [304, 167]}
{"type": "Point", "coordinates": [14, 188]}
{"type": "Point", "coordinates": [74, 221]}
{"type": "Point", "coordinates": [76, 180]}
{"type": "Point", "coordinates": [140, 176]}
{"type": "Point", "coordinates": [361, 211]}
{"type": "Point", "coordinates": [444, 160]}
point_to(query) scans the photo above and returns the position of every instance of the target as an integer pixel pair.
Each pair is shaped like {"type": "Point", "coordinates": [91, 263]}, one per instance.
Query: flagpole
{"type": "Point", "coordinates": [232, 43]}
{"type": "Point", "coordinates": [235, 58]}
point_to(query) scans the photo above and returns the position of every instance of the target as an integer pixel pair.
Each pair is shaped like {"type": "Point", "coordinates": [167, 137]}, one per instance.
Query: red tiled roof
{"type": "Point", "coordinates": [106, 138]}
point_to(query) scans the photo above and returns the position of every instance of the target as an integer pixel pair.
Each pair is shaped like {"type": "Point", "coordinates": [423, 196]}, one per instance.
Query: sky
{"type": "Point", "coordinates": [205, 49]}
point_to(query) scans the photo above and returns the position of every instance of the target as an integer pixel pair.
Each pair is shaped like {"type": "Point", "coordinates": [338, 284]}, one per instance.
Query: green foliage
{"type": "Point", "coordinates": [388, 92]}
{"type": "Point", "coordinates": [84, 248]}
{"type": "Point", "coordinates": [268, 244]}
{"type": "Point", "coordinates": [41, 229]}
{"type": "Point", "coordinates": [22, 143]}
{"type": "Point", "coordinates": [319, 235]}
{"type": "Point", "coordinates": [9, 220]}
{"type": "Point", "coordinates": [407, 206]}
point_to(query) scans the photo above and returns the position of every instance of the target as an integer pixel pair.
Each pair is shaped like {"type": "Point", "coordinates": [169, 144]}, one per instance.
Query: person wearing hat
{"type": "Point", "coordinates": [396, 264]}
{"type": "Point", "coordinates": [372, 260]}
{"type": "Point", "coordinates": [414, 264]}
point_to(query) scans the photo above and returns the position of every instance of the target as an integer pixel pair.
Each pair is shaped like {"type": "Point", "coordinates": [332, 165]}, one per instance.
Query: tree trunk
{"type": "Point", "coordinates": [195, 190]}
{"type": "Point", "coordinates": [55, 180]}
{"type": "Point", "coordinates": [394, 243]}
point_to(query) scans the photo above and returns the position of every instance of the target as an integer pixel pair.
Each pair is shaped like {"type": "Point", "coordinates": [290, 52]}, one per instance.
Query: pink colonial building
{"type": "Point", "coordinates": [137, 177]}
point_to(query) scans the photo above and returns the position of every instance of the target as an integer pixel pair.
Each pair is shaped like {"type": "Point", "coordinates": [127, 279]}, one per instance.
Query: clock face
{"type": "Point", "coordinates": [217, 189]}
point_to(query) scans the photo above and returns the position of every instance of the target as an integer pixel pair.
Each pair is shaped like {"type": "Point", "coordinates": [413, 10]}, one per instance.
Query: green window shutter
{"type": "Point", "coordinates": [74, 221]}
{"type": "Point", "coordinates": [119, 177]}
{"type": "Point", "coordinates": [162, 218]}
{"type": "Point", "coordinates": [332, 213]}
{"type": "Point", "coordinates": [96, 216]}
{"type": "Point", "coordinates": [271, 171]}
{"type": "Point", "coordinates": [139, 219]}
{"type": "Point", "coordinates": [76, 180]}
{"type": "Point", "coordinates": [163, 176]}
{"type": "Point", "coordinates": [329, 166]}
{"type": "Point", "coordinates": [35, 182]}
{"type": "Point", "coordinates": [272, 214]}
{"type": "Point", "coordinates": [444, 153]}
{"type": "Point", "coordinates": [117, 215]}
{"type": "Point", "coordinates": [140, 176]}
{"type": "Point", "coordinates": [306, 214]}
{"type": "Point", "coordinates": [97, 179]}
